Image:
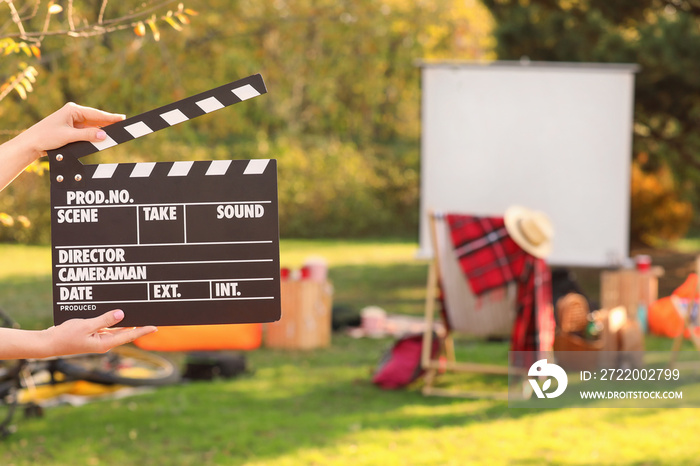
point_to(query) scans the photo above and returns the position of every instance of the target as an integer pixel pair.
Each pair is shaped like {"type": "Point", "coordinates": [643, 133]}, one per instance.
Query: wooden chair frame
{"type": "Point", "coordinates": [433, 365]}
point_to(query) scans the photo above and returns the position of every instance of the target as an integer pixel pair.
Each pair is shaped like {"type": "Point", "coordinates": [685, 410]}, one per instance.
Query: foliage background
{"type": "Point", "coordinates": [342, 113]}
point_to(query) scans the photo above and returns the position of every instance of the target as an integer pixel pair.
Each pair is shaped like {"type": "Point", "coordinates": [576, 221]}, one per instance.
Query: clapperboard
{"type": "Point", "coordinates": [170, 243]}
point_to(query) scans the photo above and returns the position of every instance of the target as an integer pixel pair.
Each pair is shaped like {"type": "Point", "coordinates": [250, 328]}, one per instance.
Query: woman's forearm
{"type": "Point", "coordinates": [23, 344]}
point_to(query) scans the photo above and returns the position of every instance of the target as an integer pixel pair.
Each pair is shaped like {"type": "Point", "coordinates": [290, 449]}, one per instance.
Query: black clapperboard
{"type": "Point", "coordinates": [170, 243]}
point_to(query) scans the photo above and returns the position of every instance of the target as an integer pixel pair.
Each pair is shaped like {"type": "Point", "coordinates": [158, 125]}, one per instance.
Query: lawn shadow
{"type": "Point", "coordinates": [290, 402]}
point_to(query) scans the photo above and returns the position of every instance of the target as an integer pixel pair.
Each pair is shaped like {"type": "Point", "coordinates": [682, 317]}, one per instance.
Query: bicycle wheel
{"type": "Point", "coordinates": [122, 365]}
{"type": "Point", "coordinates": [9, 388]}
{"type": "Point", "coordinates": [9, 383]}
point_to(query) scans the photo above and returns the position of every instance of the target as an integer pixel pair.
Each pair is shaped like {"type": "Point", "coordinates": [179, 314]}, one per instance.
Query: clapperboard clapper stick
{"type": "Point", "coordinates": [170, 243]}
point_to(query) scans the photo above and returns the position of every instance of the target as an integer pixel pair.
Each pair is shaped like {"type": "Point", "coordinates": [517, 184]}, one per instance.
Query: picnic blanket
{"type": "Point", "coordinates": [490, 259]}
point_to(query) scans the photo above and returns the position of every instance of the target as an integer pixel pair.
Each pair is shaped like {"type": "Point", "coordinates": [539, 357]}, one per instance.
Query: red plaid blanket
{"type": "Point", "coordinates": [491, 259]}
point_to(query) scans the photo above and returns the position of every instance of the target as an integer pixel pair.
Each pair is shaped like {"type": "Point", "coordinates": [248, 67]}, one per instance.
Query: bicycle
{"type": "Point", "coordinates": [25, 382]}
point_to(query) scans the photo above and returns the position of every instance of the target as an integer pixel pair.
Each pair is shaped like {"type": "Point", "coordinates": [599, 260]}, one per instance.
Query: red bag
{"type": "Point", "coordinates": [401, 365]}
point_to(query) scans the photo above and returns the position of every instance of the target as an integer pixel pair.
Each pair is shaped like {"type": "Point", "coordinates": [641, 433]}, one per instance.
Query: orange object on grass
{"type": "Point", "coordinates": [689, 288]}
{"type": "Point", "coordinates": [203, 338]}
{"type": "Point", "coordinates": [663, 319]}
{"type": "Point", "coordinates": [662, 316]}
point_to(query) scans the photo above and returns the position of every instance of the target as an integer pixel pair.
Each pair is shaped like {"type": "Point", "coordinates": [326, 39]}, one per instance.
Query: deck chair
{"type": "Point", "coordinates": [489, 315]}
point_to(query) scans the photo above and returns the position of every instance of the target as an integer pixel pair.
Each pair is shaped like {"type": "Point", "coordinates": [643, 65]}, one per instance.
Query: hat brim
{"type": "Point", "coordinates": [511, 218]}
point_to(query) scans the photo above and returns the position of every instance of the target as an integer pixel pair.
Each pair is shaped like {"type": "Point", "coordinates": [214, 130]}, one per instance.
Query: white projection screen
{"type": "Point", "coordinates": [555, 137]}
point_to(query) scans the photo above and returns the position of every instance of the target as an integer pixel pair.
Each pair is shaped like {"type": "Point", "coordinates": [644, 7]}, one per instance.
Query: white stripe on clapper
{"type": "Point", "coordinates": [106, 144]}
{"type": "Point", "coordinates": [245, 92]}
{"type": "Point", "coordinates": [256, 167]}
{"type": "Point", "coordinates": [174, 117]}
{"type": "Point", "coordinates": [105, 170]}
{"type": "Point", "coordinates": [218, 167]}
{"type": "Point", "coordinates": [209, 104]}
{"type": "Point", "coordinates": [142, 170]}
{"type": "Point", "coordinates": [180, 168]}
{"type": "Point", "coordinates": [138, 129]}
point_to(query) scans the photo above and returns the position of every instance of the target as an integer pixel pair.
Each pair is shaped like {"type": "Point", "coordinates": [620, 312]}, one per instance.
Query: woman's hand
{"type": "Point", "coordinates": [93, 335]}
{"type": "Point", "coordinates": [68, 124]}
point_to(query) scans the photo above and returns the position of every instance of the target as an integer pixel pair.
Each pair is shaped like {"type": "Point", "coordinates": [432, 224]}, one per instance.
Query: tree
{"type": "Point", "coordinates": [31, 22]}
{"type": "Point", "coordinates": [662, 36]}
{"type": "Point", "coordinates": [22, 37]}
{"type": "Point", "coordinates": [342, 115]}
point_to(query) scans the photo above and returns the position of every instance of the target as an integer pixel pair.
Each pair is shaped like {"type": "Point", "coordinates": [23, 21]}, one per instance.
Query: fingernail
{"type": "Point", "coordinates": [118, 314]}
{"type": "Point", "coordinates": [100, 134]}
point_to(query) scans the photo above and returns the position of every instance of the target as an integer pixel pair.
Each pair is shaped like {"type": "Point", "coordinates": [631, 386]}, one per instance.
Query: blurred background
{"type": "Point", "coordinates": [343, 118]}
{"type": "Point", "coordinates": [343, 111]}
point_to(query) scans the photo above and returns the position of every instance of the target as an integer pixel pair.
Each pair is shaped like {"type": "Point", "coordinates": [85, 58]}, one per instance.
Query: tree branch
{"type": "Point", "coordinates": [69, 14]}
{"type": "Point", "coordinates": [101, 27]}
{"type": "Point", "coordinates": [16, 19]}
{"type": "Point", "coordinates": [13, 84]}
{"type": "Point", "coordinates": [47, 20]}
{"type": "Point", "coordinates": [101, 15]}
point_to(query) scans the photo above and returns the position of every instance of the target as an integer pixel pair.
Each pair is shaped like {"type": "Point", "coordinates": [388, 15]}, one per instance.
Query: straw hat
{"type": "Point", "coordinates": [530, 229]}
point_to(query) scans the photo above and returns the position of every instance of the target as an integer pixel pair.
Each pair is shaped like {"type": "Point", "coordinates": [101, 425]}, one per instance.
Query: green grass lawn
{"type": "Point", "coordinates": [319, 407]}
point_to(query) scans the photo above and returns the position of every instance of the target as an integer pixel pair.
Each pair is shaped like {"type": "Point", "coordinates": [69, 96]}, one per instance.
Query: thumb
{"type": "Point", "coordinates": [86, 134]}
{"type": "Point", "coordinates": [108, 319]}
{"type": "Point", "coordinates": [94, 134]}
